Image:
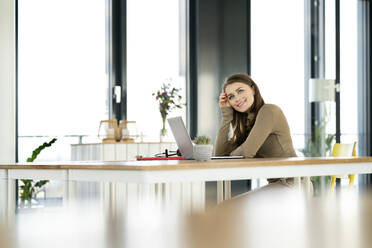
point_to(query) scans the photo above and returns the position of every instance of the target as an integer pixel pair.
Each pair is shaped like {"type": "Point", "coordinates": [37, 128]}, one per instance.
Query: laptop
{"type": "Point", "coordinates": [184, 142]}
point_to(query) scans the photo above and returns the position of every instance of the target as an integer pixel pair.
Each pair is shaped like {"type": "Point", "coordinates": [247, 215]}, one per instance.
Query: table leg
{"type": "Point", "coordinates": [3, 200]}
{"type": "Point", "coordinates": [11, 200]}
{"type": "Point", "coordinates": [186, 202]}
{"type": "Point", "coordinates": [297, 182]}
{"type": "Point", "coordinates": [219, 192]}
{"type": "Point", "coordinates": [159, 193]}
{"type": "Point", "coordinates": [120, 195]}
{"type": "Point", "coordinates": [65, 193]}
{"type": "Point", "coordinates": [112, 197]}
{"type": "Point", "coordinates": [223, 191]}
{"type": "Point", "coordinates": [105, 196]}
{"type": "Point", "coordinates": [227, 189]}
{"type": "Point", "coordinates": [69, 192]}
{"type": "Point", "coordinates": [198, 197]}
{"type": "Point", "coordinates": [307, 187]}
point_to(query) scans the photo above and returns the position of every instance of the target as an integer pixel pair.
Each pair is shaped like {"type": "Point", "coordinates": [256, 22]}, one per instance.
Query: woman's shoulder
{"type": "Point", "coordinates": [270, 108]}
{"type": "Point", "coordinates": [271, 112]}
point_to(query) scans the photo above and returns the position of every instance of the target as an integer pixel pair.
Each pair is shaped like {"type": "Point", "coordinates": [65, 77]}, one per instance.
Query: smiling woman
{"type": "Point", "coordinates": [259, 129]}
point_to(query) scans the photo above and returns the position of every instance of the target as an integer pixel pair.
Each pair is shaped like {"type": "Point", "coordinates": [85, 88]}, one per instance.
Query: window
{"type": "Point", "coordinates": [348, 71]}
{"type": "Point", "coordinates": [62, 79]}
{"type": "Point", "coordinates": [277, 45]}
{"type": "Point", "coordinates": [156, 55]}
{"type": "Point", "coordinates": [348, 64]}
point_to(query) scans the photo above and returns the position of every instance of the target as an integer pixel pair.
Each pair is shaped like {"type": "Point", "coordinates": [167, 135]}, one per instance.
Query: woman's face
{"type": "Point", "coordinates": [240, 96]}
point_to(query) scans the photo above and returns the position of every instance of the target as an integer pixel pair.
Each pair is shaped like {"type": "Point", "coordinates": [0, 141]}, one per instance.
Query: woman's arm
{"type": "Point", "coordinates": [259, 133]}
{"type": "Point", "coordinates": [223, 145]}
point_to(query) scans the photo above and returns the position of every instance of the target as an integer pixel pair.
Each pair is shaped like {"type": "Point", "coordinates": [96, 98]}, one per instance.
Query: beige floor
{"type": "Point", "coordinates": [273, 216]}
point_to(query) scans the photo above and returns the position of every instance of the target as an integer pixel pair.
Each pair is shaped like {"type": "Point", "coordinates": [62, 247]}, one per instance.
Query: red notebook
{"type": "Point", "coordinates": [161, 158]}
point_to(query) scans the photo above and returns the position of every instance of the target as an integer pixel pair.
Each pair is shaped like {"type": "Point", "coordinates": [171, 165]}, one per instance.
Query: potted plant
{"type": "Point", "coordinates": [168, 99]}
{"type": "Point", "coordinates": [29, 188]}
{"type": "Point", "coordinates": [203, 148]}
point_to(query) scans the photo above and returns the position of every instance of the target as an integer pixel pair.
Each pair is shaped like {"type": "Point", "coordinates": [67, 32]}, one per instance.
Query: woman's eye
{"type": "Point", "coordinates": [230, 98]}
{"type": "Point", "coordinates": [240, 91]}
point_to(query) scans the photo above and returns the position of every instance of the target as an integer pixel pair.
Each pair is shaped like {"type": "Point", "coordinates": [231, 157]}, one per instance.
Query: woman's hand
{"type": "Point", "coordinates": [223, 102]}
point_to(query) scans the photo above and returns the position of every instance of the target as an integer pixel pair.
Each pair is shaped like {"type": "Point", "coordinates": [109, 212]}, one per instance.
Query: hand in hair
{"type": "Point", "coordinates": [223, 102]}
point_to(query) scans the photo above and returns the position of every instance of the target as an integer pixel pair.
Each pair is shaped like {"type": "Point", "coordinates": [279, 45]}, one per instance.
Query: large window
{"type": "Point", "coordinates": [348, 64]}
{"type": "Point", "coordinates": [63, 85]}
{"type": "Point", "coordinates": [348, 71]}
{"type": "Point", "coordinates": [156, 55]}
{"type": "Point", "coordinates": [277, 45]}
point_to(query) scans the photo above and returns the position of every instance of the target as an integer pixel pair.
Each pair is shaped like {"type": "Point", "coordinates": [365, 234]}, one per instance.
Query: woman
{"type": "Point", "coordinates": [259, 129]}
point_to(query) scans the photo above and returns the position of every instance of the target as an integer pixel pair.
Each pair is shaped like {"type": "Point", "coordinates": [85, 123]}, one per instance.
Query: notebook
{"type": "Point", "coordinates": [184, 142]}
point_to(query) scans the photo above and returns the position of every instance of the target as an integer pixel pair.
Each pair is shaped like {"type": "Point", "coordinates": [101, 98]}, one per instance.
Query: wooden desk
{"type": "Point", "coordinates": [148, 177]}
{"type": "Point", "coordinates": [154, 173]}
{"type": "Point", "coordinates": [186, 170]}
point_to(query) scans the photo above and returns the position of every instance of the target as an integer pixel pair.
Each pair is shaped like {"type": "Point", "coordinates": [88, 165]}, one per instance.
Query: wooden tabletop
{"type": "Point", "coordinates": [184, 164]}
{"type": "Point", "coordinates": [126, 143]}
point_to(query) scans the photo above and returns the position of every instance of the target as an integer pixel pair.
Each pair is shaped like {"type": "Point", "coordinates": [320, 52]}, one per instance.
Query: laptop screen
{"type": "Point", "coordinates": [184, 142]}
{"type": "Point", "coordinates": [182, 137]}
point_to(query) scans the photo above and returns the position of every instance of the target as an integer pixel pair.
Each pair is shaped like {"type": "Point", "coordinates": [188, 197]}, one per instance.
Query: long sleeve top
{"type": "Point", "coordinates": [269, 137]}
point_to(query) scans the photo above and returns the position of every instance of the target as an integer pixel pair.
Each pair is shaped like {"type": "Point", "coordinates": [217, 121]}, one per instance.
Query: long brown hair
{"type": "Point", "coordinates": [240, 123]}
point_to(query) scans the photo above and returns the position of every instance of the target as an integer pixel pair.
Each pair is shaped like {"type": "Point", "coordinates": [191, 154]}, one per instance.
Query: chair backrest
{"type": "Point", "coordinates": [344, 150]}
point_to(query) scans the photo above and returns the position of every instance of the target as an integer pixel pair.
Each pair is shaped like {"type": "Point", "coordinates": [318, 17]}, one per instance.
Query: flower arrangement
{"type": "Point", "coordinates": [169, 99]}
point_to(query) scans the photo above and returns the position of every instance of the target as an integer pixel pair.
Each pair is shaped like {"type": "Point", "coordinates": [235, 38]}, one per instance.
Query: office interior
{"type": "Point", "coordinates": [67, 65]}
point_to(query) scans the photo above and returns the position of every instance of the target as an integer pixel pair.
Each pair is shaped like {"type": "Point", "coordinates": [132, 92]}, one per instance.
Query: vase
{"type": "Point", "coordinates": [25, 203]}
{"type": "Point", "coordinates": [202, 152]}
{"type": "Point", "coordinates": [163, 132]}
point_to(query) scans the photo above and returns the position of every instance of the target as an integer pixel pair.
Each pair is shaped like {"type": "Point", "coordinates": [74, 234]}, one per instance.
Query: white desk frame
{"type": "Point", "coordinates": [189, 175]}
{"type": "Point", "coordinates": [172, 175]}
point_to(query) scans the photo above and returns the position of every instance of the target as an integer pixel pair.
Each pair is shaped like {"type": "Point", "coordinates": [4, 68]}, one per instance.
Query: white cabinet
{"type": "Point", "coordinates": [118, 151]}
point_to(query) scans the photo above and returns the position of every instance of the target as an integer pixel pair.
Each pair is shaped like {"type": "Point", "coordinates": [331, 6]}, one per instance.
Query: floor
{"type": "Point", "coordinates": [268, 217]}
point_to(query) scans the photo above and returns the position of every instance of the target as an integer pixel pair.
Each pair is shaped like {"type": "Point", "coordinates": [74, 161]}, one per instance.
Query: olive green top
{"type": "Point", "coordinates": [269, 137]}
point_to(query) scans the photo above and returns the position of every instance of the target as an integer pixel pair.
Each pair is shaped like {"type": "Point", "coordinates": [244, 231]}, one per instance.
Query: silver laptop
{"type": "Point", "coordinates": [184, 142]}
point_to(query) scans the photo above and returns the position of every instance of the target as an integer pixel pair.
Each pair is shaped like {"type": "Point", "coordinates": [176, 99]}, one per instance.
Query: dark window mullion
{"type": "Point", "coordinates": [192, 67]}
{"type": "Point", "coordinates": [364, 86]}
{"type": "Point", "coordinates": [337, 81]}
{"type": "Point", "coordinates": [249, 54]}
{"type": "Point", "coordinates": [317, 57]}
{"type": "Point", "coordinates": [16, 99]}
{"type": "Point", "coordinates": [118, 58]}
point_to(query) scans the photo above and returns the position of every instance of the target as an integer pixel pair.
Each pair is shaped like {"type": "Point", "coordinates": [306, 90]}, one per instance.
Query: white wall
{"type": "Point", "coordinates": [7, 81]}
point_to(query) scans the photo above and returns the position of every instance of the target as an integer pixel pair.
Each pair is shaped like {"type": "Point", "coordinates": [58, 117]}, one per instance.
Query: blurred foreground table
{"type": "Point", "coordinates": [273, 219]}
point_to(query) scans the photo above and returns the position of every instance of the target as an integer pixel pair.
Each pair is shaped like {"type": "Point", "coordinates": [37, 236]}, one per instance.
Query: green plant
{"type": "Point", "coordinates": [202, 140]}
{"type": "Point", "coordinates": [168, 99]}
{"type": "Point", "coordinates": [315, 149]}
{"type": "Point", "coordinates": [29, 187]}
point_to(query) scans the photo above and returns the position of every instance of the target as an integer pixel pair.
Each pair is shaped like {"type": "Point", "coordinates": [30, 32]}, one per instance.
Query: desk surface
{"type": "Point", "coordinates": [186, 164]}
{"type": "Point", "coordinates": [126, 143]}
